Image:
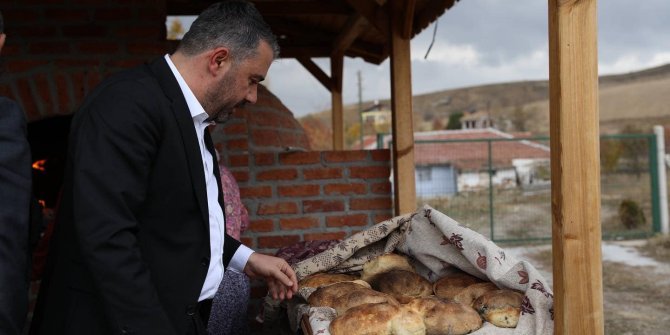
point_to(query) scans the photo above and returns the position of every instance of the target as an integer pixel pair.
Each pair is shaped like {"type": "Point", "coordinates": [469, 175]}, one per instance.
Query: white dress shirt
{"type": "Point", "coordinates": [216, 219]}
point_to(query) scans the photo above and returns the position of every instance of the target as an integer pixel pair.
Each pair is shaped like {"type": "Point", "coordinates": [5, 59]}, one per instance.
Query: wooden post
{"type": "Point", "coordinates": [401, 104]}
{"type": "Point", "coordinates": [336, 65]}
{"type": "Point", "coordinates": [575, 167]}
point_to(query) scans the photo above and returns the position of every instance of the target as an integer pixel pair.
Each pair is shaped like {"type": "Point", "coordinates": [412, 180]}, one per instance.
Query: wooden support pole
{"type": "Point", "coordinates": [336, 69]}
{"type": "Point", "coordinates": [401, 104]}
{"type": "Point", "coordinates": [575, 167]}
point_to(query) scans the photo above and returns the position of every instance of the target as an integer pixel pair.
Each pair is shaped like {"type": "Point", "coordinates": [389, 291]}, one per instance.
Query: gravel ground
{"type": "Point", "coordinates": [636, 283]}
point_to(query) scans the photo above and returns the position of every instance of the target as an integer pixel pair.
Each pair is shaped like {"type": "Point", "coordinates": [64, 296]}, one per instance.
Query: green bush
{"type": "Point", "coordinates": [630, 214]}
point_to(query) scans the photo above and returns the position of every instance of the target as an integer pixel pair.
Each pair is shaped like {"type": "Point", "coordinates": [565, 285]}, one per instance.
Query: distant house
{"type": "Point", "coordinates": [378, 115]}
{"type": "Point", "coordinates": [458, 161]}
{"type": "Point", "coordinates": [476, 120]}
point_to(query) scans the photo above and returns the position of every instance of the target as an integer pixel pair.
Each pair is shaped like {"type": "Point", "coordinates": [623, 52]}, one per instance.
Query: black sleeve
{"type": "Point", "coordinates": [15, 188]}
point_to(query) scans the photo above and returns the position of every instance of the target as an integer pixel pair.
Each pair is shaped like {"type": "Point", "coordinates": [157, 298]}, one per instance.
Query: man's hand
{"type": "Point", "coordinates": [281, 280]}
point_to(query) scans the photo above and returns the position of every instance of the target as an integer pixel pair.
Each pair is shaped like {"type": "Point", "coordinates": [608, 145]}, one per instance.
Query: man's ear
{"type": "Point", "coordinates": [219, 59]}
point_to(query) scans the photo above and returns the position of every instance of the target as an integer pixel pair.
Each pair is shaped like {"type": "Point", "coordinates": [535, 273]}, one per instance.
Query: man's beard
{"type": "Point", "coordinates": [217, 101]}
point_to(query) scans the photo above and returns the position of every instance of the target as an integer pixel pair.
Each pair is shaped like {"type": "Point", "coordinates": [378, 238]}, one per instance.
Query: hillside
{"type": "Point", "coordinates": [636, 100]}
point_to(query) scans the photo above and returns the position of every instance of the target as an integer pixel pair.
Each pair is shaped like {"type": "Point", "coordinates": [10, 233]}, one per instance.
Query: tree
{"type": "Point", "coordinates": [455, 121]}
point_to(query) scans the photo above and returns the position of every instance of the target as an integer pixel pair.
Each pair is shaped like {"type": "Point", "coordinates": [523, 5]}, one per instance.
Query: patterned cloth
{"type": "Point", "coordinates": [229, 308]}
{"type": "Point", "coordinates": [237, 217]}
{"type": "Point", "coordinates": [435, 244]}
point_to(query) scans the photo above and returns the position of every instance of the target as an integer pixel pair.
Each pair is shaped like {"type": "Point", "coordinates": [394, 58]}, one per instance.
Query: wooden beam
{"type": "Point", "coordinates": [336, 70]}
{"type": "Point", "coordinates": [373, 12]}
{"type": "Point", "coordinates": [267, 8]}
{"type": "Point", "coordinates": [354, 26]}
{"type": "Point", "coordinates": [408, 27]}
{"type": "Point", "coordinates": [316, 71]}
{"type": "Point", "coordinates": [401, 103]}
{"type": "Point", "coordinates": [575, 167]}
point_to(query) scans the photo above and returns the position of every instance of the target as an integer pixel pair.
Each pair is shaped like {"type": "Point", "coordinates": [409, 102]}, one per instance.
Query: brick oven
{"type": "Point", "coordinates": [56, 52]}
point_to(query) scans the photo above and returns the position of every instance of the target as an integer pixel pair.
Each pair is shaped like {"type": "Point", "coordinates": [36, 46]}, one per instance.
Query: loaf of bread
{"type": "Point", "coordinates": [469, 294]}
{"type": "Point", "coordinates": [500, 307]}
{"type": "Point", "coordinates": [402, 283]}
{"type": "Point", "coordinates": [443, 317]}
{"type": "Point", "coordinates": [451, 285]}
{"type": "Point", "coordinates": [359, 297]}
{"type": "Point", "coordinates": [322, 279]}
{"type": "Point", "coordinates": [378, 319]}
{"type": "Point", "coordinates": [385, 263]}
{"type": "Point", "coordinates": [325, 296]}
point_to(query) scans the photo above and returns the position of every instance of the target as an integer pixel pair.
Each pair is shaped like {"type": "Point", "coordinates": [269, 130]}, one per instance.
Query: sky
{"type": "Point", "coordinates": [487, 41]}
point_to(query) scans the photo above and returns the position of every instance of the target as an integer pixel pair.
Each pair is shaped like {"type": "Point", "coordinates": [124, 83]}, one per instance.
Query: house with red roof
{"type": "Point", "coordinates": [452, 161]}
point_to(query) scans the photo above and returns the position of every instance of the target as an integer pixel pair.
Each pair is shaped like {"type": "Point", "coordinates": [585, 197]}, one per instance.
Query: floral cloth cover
{"type": "Point", "coordinates": [435, 244]}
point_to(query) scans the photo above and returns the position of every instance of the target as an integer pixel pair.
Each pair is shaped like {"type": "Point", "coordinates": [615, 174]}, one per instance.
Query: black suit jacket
{"type": "Point", "coordinates": [131, 247]}
{"type": "Point", "coordinates": [15, 186]}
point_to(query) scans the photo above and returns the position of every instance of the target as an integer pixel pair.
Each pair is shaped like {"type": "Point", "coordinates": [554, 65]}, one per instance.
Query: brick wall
{"type": "Point", "coordinates": [57, 51]}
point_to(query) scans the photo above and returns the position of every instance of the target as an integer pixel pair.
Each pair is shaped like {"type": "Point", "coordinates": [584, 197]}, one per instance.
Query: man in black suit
{"type": "Point", "coordinates": [15, 188]}
{"type": "Point", "coordinates": [140, 244]}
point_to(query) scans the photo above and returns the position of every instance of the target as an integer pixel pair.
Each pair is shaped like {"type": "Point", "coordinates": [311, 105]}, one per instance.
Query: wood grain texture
{"type": "Point", "coordinates": [336, 69]}
{"type": "Point", "coordinates": [401, 103]}
{"type": "Point", "coordinates": [575, 167]}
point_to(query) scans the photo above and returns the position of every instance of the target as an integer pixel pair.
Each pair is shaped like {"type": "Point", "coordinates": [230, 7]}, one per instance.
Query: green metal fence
{"type": "Point", "coordinates": [503, 187]}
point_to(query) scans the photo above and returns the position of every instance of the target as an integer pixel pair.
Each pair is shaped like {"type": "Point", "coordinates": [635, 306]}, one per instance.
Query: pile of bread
{"type": "Point", "coordinates": [391, 298]}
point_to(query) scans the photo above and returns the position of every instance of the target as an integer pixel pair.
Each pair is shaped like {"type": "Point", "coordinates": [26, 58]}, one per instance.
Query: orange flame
{"type": "Point", "coordinates": [39, 165]}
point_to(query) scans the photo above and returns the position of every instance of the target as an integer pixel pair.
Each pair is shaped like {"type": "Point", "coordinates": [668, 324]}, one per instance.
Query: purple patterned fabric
{"type": "Point", "coordinates": [237, 217]}
{"type": "Point", "coordinates": [305, 249]}
{"type": "Point", "coordinates": [229, 308]}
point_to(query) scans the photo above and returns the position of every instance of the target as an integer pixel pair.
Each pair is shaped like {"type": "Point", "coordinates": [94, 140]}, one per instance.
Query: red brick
{"type": "Point", "coordinates": [256, 192]}
{"type": "Point", "coordinates": [98, 48]}
{"type": "Point", "coordinates": [93, 78]}
{"type": "Point", "coordinates": [367, 204]}
{"type": "Point", "coordinates": [278, 208]}
{"type": "Point", "coordinates": [298, 190]}
{"type": "Point", "coordinates": [264, 225]}
{"type": "Point", "coordinates": [264, 159]}
{"type": "Point", "coordinates": [248, 241]}
{"type": "Point", "coordinates": [237, 144]}
{"type": "Point", "coordinates": [69, 63]}
{"type": "Point", "coordinates": [84, 30]}
{"type": "Point", "coordinates": [22, 65]}
{"type": "Point", "coordinates": [278, 174]}
{"type": "Point", "coordinates": [325, 236]}
{"type": "Point", "coordinates": [381, 188]}
{"type": "Point", "coordinates": [148, 32]}
{"type": "Point", "coordinates": [271, 118]}
{"type": "Point", "coordinates": [381, 155]}
{"type": "Point", "coordinates": [27, 99]}
{"type": "Point", "coordinates": [147, 48]}
{"type": "Point", "coordinates": [320, 206]}
{"type": "Point", "coordinates": [235, 128]}
{"type": "Point", "coordinates": [68, 14]}
{"type": "Point", "coordinates": [113, 14]}
{"type": "Point", "coordinates": [370, 172]}
{"type": "Point", "coordinates": [277, 241]}
{"type": "Point", "coordinates": [238, 160]}
{"type": "Point", "coordinates": [344, 189]}
{"type": "Point", "coordinates": [381, 217]}
{"type": "Point", "coordinates": [31, 31]}
{"type": "Point", "coordinates": [300, 158]}
{"type": "Point", "coordinates": [78, 86]}
{"type": "Point", "coordinates": [48, 48]}
{"type": "Point", "coordinates": [266, 137]}
{"type": "Point", "coordinates": [347, 220]}
{"type": "Point", "coordinates": [240, 176]}
{"type": "Point", "coordinates": [345, 156]}
{"type": "Point", "coordinates": [44, 92]}
{"type": "Point", "coordinates": [323, 173]}
{"type": "Point", "coordinates": [298, 223]}
{"type": "Point", "coordinates": [63, 92]}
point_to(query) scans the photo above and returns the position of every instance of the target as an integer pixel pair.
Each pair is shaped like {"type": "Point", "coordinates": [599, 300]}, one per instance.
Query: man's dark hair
{"type": "Point", "coordinates": [236, 25]}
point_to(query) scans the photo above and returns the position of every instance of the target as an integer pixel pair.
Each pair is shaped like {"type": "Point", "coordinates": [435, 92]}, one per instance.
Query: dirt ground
{"type": "Point", "coordinates": [636, 284]}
